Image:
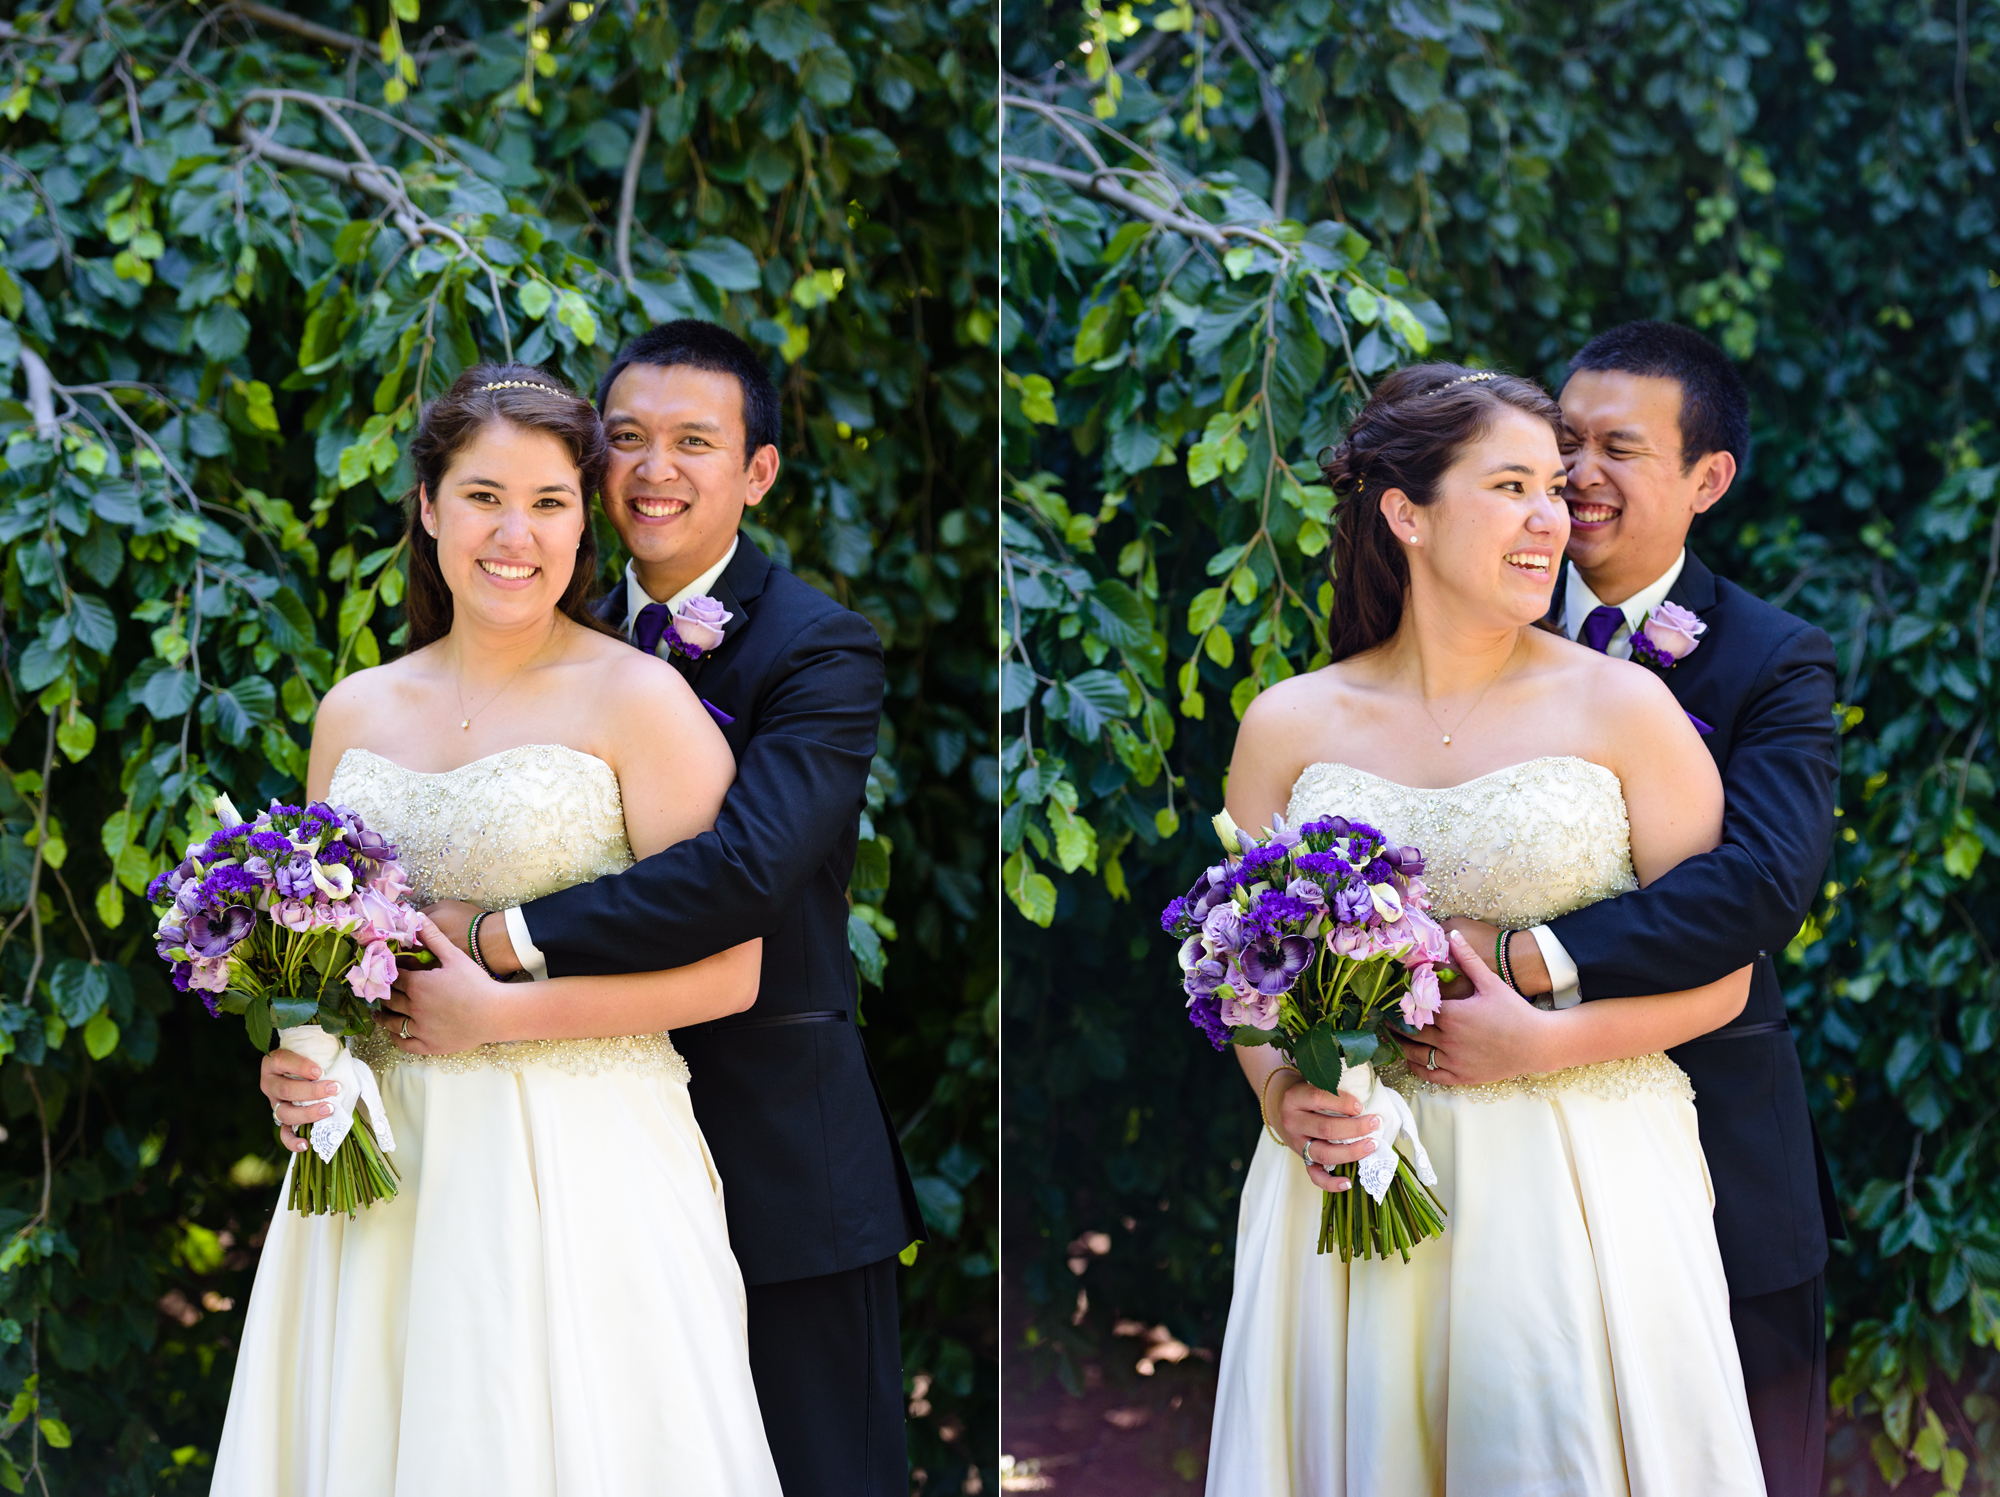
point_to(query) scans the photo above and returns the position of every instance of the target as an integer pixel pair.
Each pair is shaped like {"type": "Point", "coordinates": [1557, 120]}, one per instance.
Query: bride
{"type": "Point", "coordinates": [550, 1303]}
{"type": "Point", "coordinates": [1569, 1334]}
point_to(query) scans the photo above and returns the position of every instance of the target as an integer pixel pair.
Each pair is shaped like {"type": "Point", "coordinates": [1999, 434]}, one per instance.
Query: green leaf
{"type": "Point", "coordinates": [1034, 895]}
{"type": "Point", "coordinates": [828, 77]}
{"type": "Point", "coordinates": [110, 904]}
{"type": "Point", "coordinates": [76, 736]}
{"type": "Point", "coordinates": [79, 989]}
{"type": "Point", "coordinates": [54, 1431]}
{"type": "Point", "coordinates": [100, 1035]}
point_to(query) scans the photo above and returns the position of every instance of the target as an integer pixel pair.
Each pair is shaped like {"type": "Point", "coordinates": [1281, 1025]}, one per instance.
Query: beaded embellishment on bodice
{"type": "Point", "coordinates": [498, 832]}
{"type": "Point", "coordinates": [1516, 847]}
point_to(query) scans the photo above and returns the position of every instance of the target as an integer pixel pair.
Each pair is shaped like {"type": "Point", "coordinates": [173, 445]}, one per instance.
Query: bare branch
{"type": "Point", "coordinates": [326, 36]}
{"type": "Point", "coordinates": [41, 395]}
{"type": "Point", "coordinates": [376, 181]}
{"type": "Point", "coordinates": [628, 194]}
{"type": "Point", "coordinates": [327, 102]}
{"type": "Point", "coordinates": [1105, 184]}
{"type": "Point", "coordinates": [1274, 107]}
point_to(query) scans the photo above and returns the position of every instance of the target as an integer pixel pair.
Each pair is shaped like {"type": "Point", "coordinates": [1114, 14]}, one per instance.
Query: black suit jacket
{"type": "Point", "coordinates": [813, 1180]}
{"type": "Point", "coordinates": [1763, 681]}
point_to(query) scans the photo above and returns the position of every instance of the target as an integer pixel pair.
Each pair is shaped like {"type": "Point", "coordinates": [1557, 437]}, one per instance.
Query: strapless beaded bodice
{"type": "Point", "coordinates": [498, 832]}
{"type": "Point", "coordinates": [1516, 847]}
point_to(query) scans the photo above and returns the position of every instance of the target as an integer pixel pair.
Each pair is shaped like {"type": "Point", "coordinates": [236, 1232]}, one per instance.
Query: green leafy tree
{"type": "Point", "coordinates": [242, 245]}
{"type": "Point", "coordinates": [1220, 224]}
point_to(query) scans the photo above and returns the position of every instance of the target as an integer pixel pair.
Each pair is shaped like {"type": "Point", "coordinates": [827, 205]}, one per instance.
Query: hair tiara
{"type": "Point", "coordinates": [523, 384]}
{"type": "Point", "coordinates": [1466, 379]}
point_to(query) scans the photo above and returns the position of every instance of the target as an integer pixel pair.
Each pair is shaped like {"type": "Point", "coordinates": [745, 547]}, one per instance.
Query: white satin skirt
{"type": "Point", "coordinates": [549, 1306]}
{"type": "Point", "coordinates": [1568, 1336]}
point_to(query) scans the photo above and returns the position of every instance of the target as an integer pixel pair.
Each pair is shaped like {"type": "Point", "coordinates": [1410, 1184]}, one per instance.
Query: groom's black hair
{"type": "Point", "coordinates": [703, 345]}
{"type": "Point", "coordinates": [1715, 408]}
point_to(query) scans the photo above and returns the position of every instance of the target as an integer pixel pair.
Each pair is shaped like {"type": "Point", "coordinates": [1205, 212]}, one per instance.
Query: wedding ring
{"type": "Point", "coordinates": [405, 1034]}
{"type": "Point", "coordinates": [1306, 1153]}
{"type": "Point", "coordinates": [1432, 1063]}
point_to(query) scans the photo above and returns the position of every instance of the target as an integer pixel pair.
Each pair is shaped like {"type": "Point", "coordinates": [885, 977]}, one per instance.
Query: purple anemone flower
{"type": "Point", "coordinates": [214, 935]}
{"type": "Point", "coordinates": [1271, 966]}
{"type": "Point", "coordinates": [1210, 890]}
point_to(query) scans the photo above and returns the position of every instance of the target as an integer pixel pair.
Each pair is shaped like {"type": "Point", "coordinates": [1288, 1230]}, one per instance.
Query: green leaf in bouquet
{"type": "Point", "coordinates": [287, 1013]}
{"type": "Point", "coordinates": [1359, 1046]}
{"type": "Point", "coordinates": [257, 1020]}
{"type": "Point", "coordinates": [1318, 1056]}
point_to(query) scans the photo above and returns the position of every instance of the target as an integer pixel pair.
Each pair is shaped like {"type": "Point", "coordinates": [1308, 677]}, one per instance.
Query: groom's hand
{"type": "Point", "coordinates": [1524, 955]}
{"type": "Point", "coordinates": [1489, 1036]}
{"type": "Point", "coordinates": [454, 917]}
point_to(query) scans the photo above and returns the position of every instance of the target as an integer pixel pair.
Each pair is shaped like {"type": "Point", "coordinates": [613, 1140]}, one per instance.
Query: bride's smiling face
{"type": "Point", "coordinates": [1493, 536]}
{"type": "Point", "coordinates": [507, 516]}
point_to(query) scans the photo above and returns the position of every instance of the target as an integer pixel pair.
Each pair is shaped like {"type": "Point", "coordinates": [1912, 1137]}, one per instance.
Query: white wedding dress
{"type": "Point", "coordinates": [1569, 1334]}
{"type": "Point", "coordinates": [549, 1306]}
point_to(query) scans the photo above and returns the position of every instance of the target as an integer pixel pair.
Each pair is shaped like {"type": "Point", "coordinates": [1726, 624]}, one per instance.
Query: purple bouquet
{"type": "Point", "coordinates": [1309, 940]}
{"type": "Point", "coordinates": [295, 920]}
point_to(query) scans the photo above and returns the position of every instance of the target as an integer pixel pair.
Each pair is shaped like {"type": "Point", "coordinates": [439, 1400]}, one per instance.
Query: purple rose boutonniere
{"type": "Point", "coordinates": [697, 627]}
{"type": "Point", "coordinates": [1669, 633]}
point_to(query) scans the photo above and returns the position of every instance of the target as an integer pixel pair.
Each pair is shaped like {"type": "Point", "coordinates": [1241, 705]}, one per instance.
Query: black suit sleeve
{"type": "Point", "coordinates": [800, 782]}
{"type": "Point", "coordinates": [1714, 913]}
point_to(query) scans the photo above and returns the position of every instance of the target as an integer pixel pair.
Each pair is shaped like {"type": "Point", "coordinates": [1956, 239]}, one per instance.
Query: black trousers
{"type": "Point", "coordinates": [827, 1360]}
{"type": "Point", "coordinates": [1781, 1339]}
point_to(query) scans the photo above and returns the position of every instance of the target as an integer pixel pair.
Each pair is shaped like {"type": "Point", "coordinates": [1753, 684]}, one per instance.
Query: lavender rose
{"type": "Point", "coordinates": [698, 623]}
{"type": "Point", "coordinates": [1673, 630]}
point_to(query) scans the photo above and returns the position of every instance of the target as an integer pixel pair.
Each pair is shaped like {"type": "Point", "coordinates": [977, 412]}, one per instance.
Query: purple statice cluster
{"type": "Point", "coordinates": [233, 911]}
{"type": "Point", "coordinates": [1331, 890]}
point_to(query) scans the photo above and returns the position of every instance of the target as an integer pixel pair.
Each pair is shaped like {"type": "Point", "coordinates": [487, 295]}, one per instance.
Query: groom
{"type": "Point", "coordinates": [1659, 425]}
{"type": "Point", "coordinates": [818, 1199]}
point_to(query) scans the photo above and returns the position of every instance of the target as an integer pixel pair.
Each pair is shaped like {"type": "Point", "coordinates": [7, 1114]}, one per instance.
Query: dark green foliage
{"type": "Point", "coordinates": [1815, 187]}
{"type": "Point", "coordinates": [201, 534]}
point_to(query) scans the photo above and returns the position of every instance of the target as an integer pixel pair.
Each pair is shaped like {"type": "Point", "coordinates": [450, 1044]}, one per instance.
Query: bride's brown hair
{"type": "Point", "coordinates": [523, 396]}
{"type": "Point", "coordinates": [1409, 433]}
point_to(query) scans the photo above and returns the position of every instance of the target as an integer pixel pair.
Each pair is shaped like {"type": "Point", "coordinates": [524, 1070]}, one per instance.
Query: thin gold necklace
{"type": "Point", "coordinates": [1475, 701]}
{"type": "Point", "coordinates": [458, 684]}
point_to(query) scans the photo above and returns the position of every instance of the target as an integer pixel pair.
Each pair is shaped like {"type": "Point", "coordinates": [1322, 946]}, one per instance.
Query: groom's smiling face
{"type": "Point", "coordinates": [1631, 496]}
{"type": "Point", "coordinates": [680, 477]}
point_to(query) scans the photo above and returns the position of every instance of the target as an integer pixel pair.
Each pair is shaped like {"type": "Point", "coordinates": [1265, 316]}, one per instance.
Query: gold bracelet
{"type": "Point", "coordinates": [1264, 1103]}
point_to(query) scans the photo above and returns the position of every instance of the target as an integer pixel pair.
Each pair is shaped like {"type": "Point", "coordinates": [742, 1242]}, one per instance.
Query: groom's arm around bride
{"type": "Point", "coordinates": [818, 1200]}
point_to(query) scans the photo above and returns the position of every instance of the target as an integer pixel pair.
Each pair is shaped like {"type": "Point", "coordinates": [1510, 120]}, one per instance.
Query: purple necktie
{"type": "Point", "coordinates": [1601, 625]}
{"type": "Point", "coordinates": [651, 626]}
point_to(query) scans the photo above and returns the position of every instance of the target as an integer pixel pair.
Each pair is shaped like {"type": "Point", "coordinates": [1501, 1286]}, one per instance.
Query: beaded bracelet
{"type": "Point", "coordinates": [1264, 1103]}
{"type": "Point", "coordinates": [472, 941]}
{"type": "Point", "coordinates": [1505, 967]}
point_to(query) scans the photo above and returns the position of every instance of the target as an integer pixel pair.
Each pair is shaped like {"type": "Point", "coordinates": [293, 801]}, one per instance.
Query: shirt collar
{"type": "Point", "coordinates": [1579, 601]}
{"type": "Point", "coordinates": [636, 597]}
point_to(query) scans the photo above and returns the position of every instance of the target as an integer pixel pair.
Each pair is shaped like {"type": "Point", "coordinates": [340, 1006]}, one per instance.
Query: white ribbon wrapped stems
{"type": "Point", "coordinates": [357, 1089]}
{"type": "Point", "coordinates": [1379, 1168]}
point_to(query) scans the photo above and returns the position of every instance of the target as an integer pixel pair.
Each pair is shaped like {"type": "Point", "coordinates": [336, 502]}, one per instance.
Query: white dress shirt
{"type": "Point", "coordinates": [1579, 602]}
{"type": "Point", "coordinates": [636, 597]}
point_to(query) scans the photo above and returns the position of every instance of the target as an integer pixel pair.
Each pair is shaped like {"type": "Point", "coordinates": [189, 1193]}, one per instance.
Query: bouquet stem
{"type": "Point", "coordinates": [1353, 1224]}
{"type": "Point", "coordinates": [358, 1175]}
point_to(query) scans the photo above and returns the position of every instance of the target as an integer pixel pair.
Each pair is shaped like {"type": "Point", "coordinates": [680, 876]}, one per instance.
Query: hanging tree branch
{"type": "Point", "coordinates": [1274, 107]}
{"type": "Point", "coordinates": [628, 194]}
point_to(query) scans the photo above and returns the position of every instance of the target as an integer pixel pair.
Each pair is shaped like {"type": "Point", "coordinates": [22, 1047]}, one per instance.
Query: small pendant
{"type": "Point", "coordinates": [467, 727]}
{"type": "Point", "coordinates": [1447, 738]}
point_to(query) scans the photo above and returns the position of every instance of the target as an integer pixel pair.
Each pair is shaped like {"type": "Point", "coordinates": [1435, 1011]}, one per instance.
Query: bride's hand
{"type": "Point", "coordinates": [1329, 1120]}
{"type": "Point", "coordinates": [1491, 1036]}
{"type": "Point", "coordinates": [450, 1007]}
